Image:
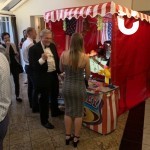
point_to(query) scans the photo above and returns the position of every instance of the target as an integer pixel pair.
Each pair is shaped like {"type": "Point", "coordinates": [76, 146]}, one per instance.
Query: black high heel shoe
{"type": "Point", "coordinates": [75, 142]}
{"type": "Point", "coordinates": [69, 139]}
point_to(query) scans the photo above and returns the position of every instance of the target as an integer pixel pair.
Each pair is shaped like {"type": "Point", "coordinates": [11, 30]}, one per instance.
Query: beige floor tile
{"type": "Point", "coordinates": [57, 121]}
{"type": "Point", "coordinates": [56, 131]}
{"type": "Point", "coordinates": [88, 134]}
{"type": "Point", "coordinates": [148, 101]}
{"type": "Point", "coordinates": [7, 137]}
{"type": "Point", "coordinates": [145, 147]}
{"type": "Point", "coordinates": [17, 107]}
{"type": "Point", "coordinates": [20, 127]}
{"type": "Point", "coordinates": [67, 147]}
{"type": "Point", "coordinates": [147, 121]}
{"type": "Point", "coordinates": [19, 138]}
{"type": "Point", "coordinates": [107, 142]}
{"type": "Point", "coordinates": [147, 106]}
{"type": "Point", "coordinates": [33, 118]}
{"type": "Point", "coordinates": [114, 148]}
{"type": "Point", "coordinates": [39, 134]}
{"type": "Point", "coordinates": [147, 110]}
{"type": "Point", "coordinates": [146, 139]}
{"type": "Point", "coordinates": [6, 147]}
{"type": "Point", "coordinates": [35, 125]}
{"type": "Point", "coordinates": [89, 144]}
{"type": "Point", "coordinates": [22, 146]}
{"type": "Point", "coordinates": [146, 129]}
{"type": "Point", "coordinates": [17, 119]}
{"type": "Point", "coordinates": [43, 144]}
{"type": "Point", "coordinates": [6, 143]}
{"type": "Point", "coordinates": [58, 140]}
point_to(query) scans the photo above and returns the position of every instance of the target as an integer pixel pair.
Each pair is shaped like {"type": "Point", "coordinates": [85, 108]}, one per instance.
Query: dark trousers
{"type": "Point", "coordinates": [16, 82]}
{"type": "Point", "coordinates": [43, 103]}
{"type": "Point", "coordinates": [3, 130]}
{"type": "Point", "coordinates": [54, 91]}
{"type": "Point", "coordinates": [35, 99]}
{"type": "Point", "coordinates": [47, 89]}
{"type": "Point", "coordinates": [30, 84]}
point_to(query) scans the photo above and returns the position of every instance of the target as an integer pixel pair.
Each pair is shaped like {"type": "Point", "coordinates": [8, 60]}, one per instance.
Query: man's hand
{"type": "Point", "coordinates": [44, 56]}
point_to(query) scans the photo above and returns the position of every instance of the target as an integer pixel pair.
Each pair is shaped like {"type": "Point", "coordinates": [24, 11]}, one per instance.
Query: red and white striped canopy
{"type": "Point", "coordinates": [93, 10]}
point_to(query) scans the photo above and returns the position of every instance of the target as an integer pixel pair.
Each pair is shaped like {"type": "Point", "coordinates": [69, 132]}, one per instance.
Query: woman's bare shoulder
{"type": "Point", "coordinates": [85, 56]}
{"type": "Point", "coordinates": [65, 52]}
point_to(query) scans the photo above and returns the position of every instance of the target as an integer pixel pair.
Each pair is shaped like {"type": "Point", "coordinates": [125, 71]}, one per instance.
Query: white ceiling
{"type": "Point", "coordinates": [7, 5]}
{"type": "Point", "coordinates": [2, 1]}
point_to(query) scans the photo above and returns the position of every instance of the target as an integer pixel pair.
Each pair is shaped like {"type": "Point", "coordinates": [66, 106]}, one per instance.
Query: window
{"type": "Point", "coordinates": [5, 25]}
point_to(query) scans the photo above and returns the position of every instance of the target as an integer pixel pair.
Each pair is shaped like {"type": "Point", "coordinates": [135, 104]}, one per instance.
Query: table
{"type": "Point", "coordinates": [101, 107]}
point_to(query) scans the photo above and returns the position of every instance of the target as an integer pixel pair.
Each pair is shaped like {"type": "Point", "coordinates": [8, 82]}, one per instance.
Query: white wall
{"type": "Point", "coordinates": [141, 5]}
{"type": "Point", "coordinates": [39, 7]}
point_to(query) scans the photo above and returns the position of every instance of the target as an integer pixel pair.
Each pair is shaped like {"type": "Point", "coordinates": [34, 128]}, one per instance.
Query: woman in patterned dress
{"type": "Point", "coordinates": [74, 63]}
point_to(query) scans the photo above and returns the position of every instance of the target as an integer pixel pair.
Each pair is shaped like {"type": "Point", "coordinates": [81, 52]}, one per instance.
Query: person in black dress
{"type": "Point", "coordinates": [13, 58]}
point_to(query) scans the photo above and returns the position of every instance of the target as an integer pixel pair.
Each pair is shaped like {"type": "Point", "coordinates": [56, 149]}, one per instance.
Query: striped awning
{"type": "Point", "coordinates": [93, 10]}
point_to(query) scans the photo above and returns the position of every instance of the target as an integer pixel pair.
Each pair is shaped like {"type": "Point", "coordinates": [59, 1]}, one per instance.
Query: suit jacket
{"type": "Point", "coordinates": [40, 75]}
{"type": "Point", "coordinates": [12, 55]}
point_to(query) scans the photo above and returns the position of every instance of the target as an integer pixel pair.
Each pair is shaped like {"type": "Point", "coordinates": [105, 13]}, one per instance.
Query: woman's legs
{"type": "Point", "coordinates": [77, 126]}
{"type": "Point", "coordinates": [68, 124]}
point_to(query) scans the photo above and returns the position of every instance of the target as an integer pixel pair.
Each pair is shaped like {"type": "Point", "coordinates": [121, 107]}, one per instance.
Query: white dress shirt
{"type": "Point", "coordinates": [5, 87]}
{"type": "Point", "coordinates": [50, 60]}
{"type": "Point", "coordinates": [25, 48]}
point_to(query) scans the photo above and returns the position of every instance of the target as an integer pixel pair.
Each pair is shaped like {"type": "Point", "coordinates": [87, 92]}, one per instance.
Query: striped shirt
{"type": "Point", "coordinates": [5, 87]}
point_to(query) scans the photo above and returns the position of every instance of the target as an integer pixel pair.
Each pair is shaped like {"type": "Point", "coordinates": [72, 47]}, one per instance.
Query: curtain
{"type": "Point", "coordinates": [59, 35]}
{"type": "Point", "coordinates": [130, 63]}
{"type": "Point", "coordinates": [14, 30]}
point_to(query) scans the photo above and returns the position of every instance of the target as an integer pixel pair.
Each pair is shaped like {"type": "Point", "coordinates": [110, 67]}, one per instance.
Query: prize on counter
{"type": "Point", "coordinates": [106, 72]}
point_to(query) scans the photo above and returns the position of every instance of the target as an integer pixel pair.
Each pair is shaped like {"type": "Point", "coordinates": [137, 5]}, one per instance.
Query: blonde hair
{"type": "Point", "coordinates": [76, 46]}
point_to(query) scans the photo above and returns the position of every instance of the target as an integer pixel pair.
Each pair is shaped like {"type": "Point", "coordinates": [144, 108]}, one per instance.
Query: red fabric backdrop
{"type": "Point", "coordinates": [90, 36]}
{"type": "Point", "coordinates": [130, 63]}
{"type": "Point", "coordinates": [59, 35]}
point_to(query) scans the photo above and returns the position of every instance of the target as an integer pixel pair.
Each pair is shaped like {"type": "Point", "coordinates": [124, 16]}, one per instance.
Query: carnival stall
{"type": "Point", "coordinates": [129, 33]}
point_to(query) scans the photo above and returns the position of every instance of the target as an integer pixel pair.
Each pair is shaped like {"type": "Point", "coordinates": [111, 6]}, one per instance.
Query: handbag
{"type": "Point", "coordinates": [19, 68]}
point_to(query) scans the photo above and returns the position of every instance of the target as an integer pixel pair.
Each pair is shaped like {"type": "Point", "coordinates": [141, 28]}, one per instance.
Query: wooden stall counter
{"type": "Point", "coordinates": [101, 107]}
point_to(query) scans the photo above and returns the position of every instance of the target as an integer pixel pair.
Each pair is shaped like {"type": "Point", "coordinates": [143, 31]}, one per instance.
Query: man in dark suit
{"type": "Point", "coordinates": [44, 62]}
